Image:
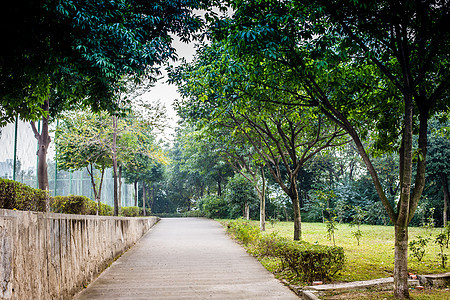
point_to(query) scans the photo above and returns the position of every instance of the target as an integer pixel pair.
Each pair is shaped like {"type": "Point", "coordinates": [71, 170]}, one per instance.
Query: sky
{"type": "Point", "coordinates": [167, 93]}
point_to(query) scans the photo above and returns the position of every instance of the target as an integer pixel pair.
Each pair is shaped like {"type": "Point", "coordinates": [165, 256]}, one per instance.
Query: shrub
{"type": "Point", "coordinates": [214, 207]}
{"type": "Point", "coordinates": [130, 211]}
{"type": "Point", "coordinates": [106, 210]}
{"type": "Point", "coordinates": [243, 231]}
{"type": "Point", "coordinates": [309, 262]}
{"type": "Point", "coordinates": [79, 205]}
{"type": "Point", "coordinates": [73, 204]}
{"type": "Point", "coordinates": [147, 211]}
{"type": "Point", "coordinates": [16, 195]}
{"type": "Point", "coordinates": [417, 247]}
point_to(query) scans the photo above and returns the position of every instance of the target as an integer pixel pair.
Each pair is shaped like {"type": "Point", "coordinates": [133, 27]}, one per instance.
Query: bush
{"type": "Point", "coordinates": [131, 211]}
{"type": "Point", "coordinates": [73, 204]}
{"type": "Point", "coordinates": [309, 262]}
{"type": "Point", "coordinates": [106, 210]}
{"type": "Point", "coordinates": [79, 205]}
{"type": "Point", "coordinates": [214, 207]}
{"type": "Point", "coordinates": [147, 211]}
{"type": "Point", "coordinates": [16, 195]}
{"type": "Point", "coordinates": [243, 231]}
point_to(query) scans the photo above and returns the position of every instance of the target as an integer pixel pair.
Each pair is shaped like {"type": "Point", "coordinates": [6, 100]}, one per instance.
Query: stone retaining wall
{"type": "Point", "coordinates": [53, 256]}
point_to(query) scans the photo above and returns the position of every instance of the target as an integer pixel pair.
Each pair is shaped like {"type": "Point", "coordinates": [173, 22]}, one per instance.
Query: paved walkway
{"type": "Point", "coordinates": [186, 258]}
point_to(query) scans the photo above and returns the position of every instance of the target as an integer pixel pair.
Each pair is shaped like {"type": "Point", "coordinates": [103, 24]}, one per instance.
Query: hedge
{"type": "Point", "coordinates": [16, 195]}
{"type": "Point", "coordinates": [309, 262]}
{"type": "Point", "coordinates": [130, 211]}
{"type": "Point", "coordinates": [79, 205]}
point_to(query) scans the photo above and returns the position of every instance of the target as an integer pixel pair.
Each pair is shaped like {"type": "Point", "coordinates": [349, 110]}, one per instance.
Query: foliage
{"type": "Point", "coordinates": [73, 204]}
{"type": "Point", "coordinates": [214, 207]}
{"type": "Point", "coordinates": [331, 225]}
{"type": "Point", "coordinates": [147, 211]}
{"type": "Point", "coordinates": [376, 68]}
{"type": "Point", "coordinates": [357, 234]}
{"type": "Point", "coordinates": [441, 240]}
{"type": "Point", "coordinates": [105, 210]}
{"type": "Point", "coordinates": [374, 257]}
{"type": "Point", "coordinates": [417, 247]}
{"type": "Point", "coordinates": [243, 231]}
{"type": "Point", "coordinates": [131, 211]}
{"type": "Point", "coordinates": [240, 192]}
{"type": "Point", "coordinates": [308, 261]}
{"type": "Point", "coordinates": [16, 195]}
{"type": "Point", "coordinates": [358, 219]}
{"type": "Point", "coordinates": [67, 46]}
{"type": "Point", "coordinates": [430, 222]}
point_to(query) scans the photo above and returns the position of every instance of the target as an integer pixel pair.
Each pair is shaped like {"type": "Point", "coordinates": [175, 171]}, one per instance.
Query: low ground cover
{"type": "Point", "coordinates": [372, 258]}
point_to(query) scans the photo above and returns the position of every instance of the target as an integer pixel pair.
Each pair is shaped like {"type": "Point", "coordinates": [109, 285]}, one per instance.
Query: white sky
{"type": "Point", "coordinates": [167, 93]}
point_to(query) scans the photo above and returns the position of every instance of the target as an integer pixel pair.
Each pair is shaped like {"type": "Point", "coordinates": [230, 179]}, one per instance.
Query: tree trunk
{"type": "Point", "coordinates": [135, 193]}
{"type": "Point", "coordinates": [143, 199]}
{"type": "Point", "coordinates": [262, 202]}
{"type": "Point", "coordinates": [114, 159]}
{"type": "Point", "coordinates": [153, 197]}
{"type": "Point", "coordinates": [293, 194]}
{"type": "Point", "coordinates": [99, 195]}
{"type": "Point", "coordinates": [219, 187]}
{"type": "Point", "coordinates": [401, 262]}
{"type": "Point", "coordinates": [44, 140]}
{"type": "Point", "coordinates": [246, 211]}
{"type": "Point", "coordinates": [444, 180]}
{"type": "Point", "coordinates": [94, 187]}
{"type": "Point", "coordinates": [120, 186]}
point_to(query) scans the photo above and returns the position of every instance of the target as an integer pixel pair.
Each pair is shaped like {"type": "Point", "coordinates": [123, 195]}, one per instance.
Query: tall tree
{"type": "Point", "coordinates": [283, 136]}
{"type": "Point", "coordinates": [67, 44]}
{"type": "Point", "coordinates": [83, 143]}
{"type": "Point", "coordinates": [370, 66]}
{"type": "Point", "coordinates": [439, 161]}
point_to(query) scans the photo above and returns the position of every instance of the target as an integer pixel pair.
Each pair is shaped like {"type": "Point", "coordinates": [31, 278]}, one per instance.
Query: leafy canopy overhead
{"type": "Point", "coordinates": [61, 45]}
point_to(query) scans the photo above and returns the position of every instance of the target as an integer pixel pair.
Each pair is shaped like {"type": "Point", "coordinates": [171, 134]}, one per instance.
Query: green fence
{"type": "Point", "coordinates": [18, 149]}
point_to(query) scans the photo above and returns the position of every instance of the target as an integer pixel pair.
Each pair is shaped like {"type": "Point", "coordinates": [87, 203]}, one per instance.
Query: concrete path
{"type": "Point", "coordinates": [186, 258]}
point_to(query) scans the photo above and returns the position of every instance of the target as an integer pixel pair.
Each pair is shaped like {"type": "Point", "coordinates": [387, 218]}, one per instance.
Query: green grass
{"type": "Point", "coordinates": [437, 294]}
{"type": "Point", "coordinates": [374, 257]}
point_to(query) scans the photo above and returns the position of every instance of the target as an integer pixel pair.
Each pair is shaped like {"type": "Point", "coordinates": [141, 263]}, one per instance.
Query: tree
{"type": "Point", "coordinates": [241, 192]}
{"type": "Point", "coordinates": [282, 136]}
{"type": "Point", "coordinates": [373, 67]}
{"type": "Point", "coordinates": [83, 51]}
{"type": "Point", "coordinates": [439, 161]}
{"type": "Point", "coordinates": [86, 140]}
{"type": "Point", "coordinates": [83, 143]}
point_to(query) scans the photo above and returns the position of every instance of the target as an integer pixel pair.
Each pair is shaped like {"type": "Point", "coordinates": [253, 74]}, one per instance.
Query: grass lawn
{"type": "Point", "coordinates": [373, 258]}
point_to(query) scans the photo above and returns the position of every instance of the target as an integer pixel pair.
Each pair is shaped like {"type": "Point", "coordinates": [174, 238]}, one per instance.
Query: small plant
{"type": "Point", "coordinates": [273, 221]}
{"type": "Point", "coordinates": [417, 247]}
{"type": "Point", "coordinates": [358, 218]}
{"type": "Point", "coordinates": [429, 224]}
{"type": "Point", "coordinates": [447, 234]}
{"type": "Point", "coordinates": [441, 241]}
{"type": "Point", "coordinates": [357, 234]}
{"type": "Point", "coordinates": [331, 228]}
